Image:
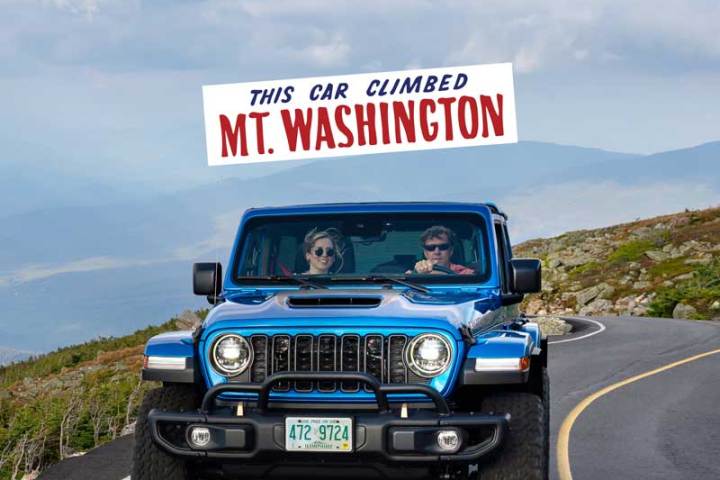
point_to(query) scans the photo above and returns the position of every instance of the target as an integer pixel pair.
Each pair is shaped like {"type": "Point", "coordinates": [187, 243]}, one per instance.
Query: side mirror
{"type": "Point", "coordinates": [207, 280]}
{"type": "Point", "coordinates": [525, 275]}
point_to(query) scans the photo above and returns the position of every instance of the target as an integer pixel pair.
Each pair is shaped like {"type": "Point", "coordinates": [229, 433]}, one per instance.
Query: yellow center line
{"type": "Point", "coordinates": [563, 455]}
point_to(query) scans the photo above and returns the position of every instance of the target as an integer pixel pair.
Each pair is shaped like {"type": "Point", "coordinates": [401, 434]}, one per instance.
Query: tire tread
{"type": "Point", "coordinates": [524, 453]}
{"type": "Point", "coordinates": [150, 462]}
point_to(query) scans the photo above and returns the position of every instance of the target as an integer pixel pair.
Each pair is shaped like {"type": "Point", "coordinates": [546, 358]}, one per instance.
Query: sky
{"type": "Point", "coordinates": [104, 97]}
{"type": "Point", "coordinates": [112, 89]}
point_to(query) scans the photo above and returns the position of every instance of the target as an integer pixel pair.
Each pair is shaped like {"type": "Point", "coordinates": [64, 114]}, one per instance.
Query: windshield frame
{"type": "Point", "coordinates": [240, 250]}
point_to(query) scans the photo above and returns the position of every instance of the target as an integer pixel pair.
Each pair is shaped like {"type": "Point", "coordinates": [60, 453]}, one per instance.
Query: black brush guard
{"type": "Point", "coordinates": [383, 435]}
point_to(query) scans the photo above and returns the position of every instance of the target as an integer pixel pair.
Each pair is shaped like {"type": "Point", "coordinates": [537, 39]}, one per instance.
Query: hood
{"type": "Point", "coordinates": [475, 309]}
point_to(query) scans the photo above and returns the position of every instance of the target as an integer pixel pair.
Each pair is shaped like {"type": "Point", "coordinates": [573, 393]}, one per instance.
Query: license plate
{"type": "Point", "coordinates": [318, 434]}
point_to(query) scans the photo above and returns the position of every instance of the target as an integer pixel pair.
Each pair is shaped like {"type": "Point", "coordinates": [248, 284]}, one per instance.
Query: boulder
{"type": "Point", "coordinates": [641, 285]}
{"type": "Point", "coordinates": [552, 326]}
{"type": "Point", "coordinates": [684, 276]}
{"type": "Point", "coordinates": [715, 305]}
{"type": "Point", "coordinates": [657, 255]}
{"type": "Point", "coordinates": [704, 260]}
{"type": "Point", "coordinates": [596, 307]}
{"type": "Point", "coordinates": [187, 320]}
{"type": "Point", "coordinates": [607, 291]}
{"type": "Point", "coordinates": [641, 232]}
{"type": "Point", "coordinates": [534, 306]}
{"type": "Point", "coordinates": [682, 310]}
{"type": "Point", "coordinates": [584, 297]}
{"type": "Point", "coordinates": [128, 429]}
{"type": "Point", "coordinates": [601, 290]}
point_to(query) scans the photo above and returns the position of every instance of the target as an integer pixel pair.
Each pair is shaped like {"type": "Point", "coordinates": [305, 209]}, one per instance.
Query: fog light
{"type": "Point", "coordinates": [448, 440]}
{"type": "Point", "coordinates": [199, 436]}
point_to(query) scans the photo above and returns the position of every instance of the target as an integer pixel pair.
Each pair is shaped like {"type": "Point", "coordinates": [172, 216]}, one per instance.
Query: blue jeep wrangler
{"type": "Point", "coordinates": [379, 339]}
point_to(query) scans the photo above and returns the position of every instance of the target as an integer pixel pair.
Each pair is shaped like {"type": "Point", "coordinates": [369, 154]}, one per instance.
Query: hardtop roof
{"type": "Point", "coordinates": [361, 207]}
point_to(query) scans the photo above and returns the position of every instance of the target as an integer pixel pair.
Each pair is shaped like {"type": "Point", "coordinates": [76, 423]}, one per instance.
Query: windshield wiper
{"type": "Point", "coordinates": [399, 280]}
{"type": "Point", "coordinates": [298, 280]}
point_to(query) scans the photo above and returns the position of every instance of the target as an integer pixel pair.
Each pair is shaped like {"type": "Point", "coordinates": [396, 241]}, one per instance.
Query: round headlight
{"type": "Point", "coordinates": [231, 354]}
{"type": "Point", "coordinates": [428, 355]}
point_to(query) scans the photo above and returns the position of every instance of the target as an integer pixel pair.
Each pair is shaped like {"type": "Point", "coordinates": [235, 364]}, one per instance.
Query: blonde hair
{"type": "Point", "coordinates": [335, 237]}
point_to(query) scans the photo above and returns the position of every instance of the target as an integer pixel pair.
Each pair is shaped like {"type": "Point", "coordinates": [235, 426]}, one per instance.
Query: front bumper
{"type": "Point", "coordinates": [386, 435]}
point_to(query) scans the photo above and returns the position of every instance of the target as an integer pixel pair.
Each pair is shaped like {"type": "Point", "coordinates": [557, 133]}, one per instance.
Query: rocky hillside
{"type": "Point", "coordinates": [666, 266]}
{"type": "Point", "coordinates": [71, 400]}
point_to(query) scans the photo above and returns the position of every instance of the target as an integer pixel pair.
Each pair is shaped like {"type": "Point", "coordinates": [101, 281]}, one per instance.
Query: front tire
{"type": "Point", "coordinates": [150, 462]}
{"type": "Point", "coordinates": [524, 452]}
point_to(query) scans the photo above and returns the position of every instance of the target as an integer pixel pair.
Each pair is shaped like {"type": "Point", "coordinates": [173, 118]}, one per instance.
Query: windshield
{"type": "Point", "coordinates": [424, 247]}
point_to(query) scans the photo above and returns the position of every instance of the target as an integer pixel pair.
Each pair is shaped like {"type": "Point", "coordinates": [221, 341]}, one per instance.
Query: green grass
{"type": "Point", "coordinates": [106, 398]}
{"type": "Point", "coordinates": [53, 362]}
{"type": "Point", "coordinates": [631, 251]}
{"type": "Point", "coordinates": [700, 292]}
{"type": "Point", "coordinates": [670, 268]}
{"type": "Point", "coordinates": [589, 267]}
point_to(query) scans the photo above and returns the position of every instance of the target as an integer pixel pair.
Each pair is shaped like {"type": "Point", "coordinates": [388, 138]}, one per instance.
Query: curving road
{"type": "Point", "coordinates": [663, 426]}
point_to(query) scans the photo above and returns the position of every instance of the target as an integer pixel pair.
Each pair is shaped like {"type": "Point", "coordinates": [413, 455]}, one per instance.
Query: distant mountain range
{"type": "Point", "coordinates": [9, 355]}
{"type": "Point", "coordinates": [71, 273]}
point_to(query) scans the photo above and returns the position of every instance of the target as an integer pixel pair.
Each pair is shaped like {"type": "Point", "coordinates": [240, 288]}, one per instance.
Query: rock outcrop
{"type": "Point", "coordinates": [630, 269]}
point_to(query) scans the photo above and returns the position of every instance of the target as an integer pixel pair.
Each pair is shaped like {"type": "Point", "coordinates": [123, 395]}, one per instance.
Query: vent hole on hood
{"type": "Point", "coordinates": [333, 301]}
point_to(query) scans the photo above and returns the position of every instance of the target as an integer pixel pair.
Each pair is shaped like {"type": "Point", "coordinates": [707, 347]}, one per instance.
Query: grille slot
{"type": "Point", "coordinates": [327, 360]}
{"type": "Point", "coordinates": [258, 371]}
{"type": "Point", "coordinates": [349, 360]}
{"type": "Point", "coordinates": [304, 360]}
{"type": "Point", "coordinates": [397, 371]}
{"type": "Point", "coordinates": [281, 359]}
{"type": "Point", "coordinates": [375, 354]}
{"type": "Point", "coordinates": [374, 347]}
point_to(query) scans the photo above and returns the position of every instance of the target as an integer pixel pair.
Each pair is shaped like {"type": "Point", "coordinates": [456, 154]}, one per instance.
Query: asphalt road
{"type": "Point", "coordinates": [663, 426]}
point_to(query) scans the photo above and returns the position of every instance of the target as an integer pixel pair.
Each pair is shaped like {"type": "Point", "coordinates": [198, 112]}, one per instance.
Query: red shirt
{"type": "Point", "coordinates": [460, 270]}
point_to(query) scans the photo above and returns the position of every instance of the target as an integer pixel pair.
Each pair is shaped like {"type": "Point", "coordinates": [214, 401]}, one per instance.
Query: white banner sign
{"type": "Point", "coordinates": [359, 114]}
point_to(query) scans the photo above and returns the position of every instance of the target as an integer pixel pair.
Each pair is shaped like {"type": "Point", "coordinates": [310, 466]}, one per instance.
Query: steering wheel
{"type": "Point", "coordinates": [443, 269]}
{"type": "Point", "coordinates": [440, 268]}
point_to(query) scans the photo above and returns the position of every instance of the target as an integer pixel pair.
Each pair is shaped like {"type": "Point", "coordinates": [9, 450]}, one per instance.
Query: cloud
{"type": "Point", "coordinates": [331, 53]}
{"type": "Point", "coordinates": [114, 86]}
{"type": "Point", "coordinates": [224, 35]}
{"type": "Point", "coordinates": [224, 228]}
{"type": "Point", "coordinates": [30, 273]}
{"type": "Point", "coordinates": [556, 209]}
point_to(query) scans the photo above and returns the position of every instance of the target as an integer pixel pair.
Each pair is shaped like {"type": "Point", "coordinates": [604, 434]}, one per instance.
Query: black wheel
{"type": "Point", "coordinates": [150, 462]}
{"type": "Point", "coordinates": [524, 452]}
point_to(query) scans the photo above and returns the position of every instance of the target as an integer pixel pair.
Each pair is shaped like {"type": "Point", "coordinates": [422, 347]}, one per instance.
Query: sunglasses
{"type": "Point", "coordinates": [441, 246]}
{"type": "Point", "coordinates": [329, 251]}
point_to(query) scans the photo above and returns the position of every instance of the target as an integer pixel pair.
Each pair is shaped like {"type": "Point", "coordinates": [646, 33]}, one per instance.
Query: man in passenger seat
{"type": "Point", "coordinates": [437, 243]}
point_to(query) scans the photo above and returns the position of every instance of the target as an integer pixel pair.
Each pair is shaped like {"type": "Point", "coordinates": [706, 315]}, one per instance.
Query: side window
{"type": "Point", "coordinates": [502, 255]}
{"type": "Point", "coordinates": [249, 263]}
{"type": "Point", "coordinates": [508, 247]}
{"type": "Point", "coordinates": [287, 249]}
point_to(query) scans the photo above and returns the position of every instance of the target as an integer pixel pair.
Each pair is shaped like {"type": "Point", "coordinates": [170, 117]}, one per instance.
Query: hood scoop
{"type": "Point", "coordinates": [333, 301]}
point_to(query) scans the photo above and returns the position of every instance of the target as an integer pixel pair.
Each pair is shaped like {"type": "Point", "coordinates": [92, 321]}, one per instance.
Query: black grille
{"type": "Point", "coordinates": [378, 355]}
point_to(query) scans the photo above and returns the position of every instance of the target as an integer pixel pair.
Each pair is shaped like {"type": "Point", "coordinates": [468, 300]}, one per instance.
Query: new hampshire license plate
{"type": "Point", "coordinates": [318, 434]}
